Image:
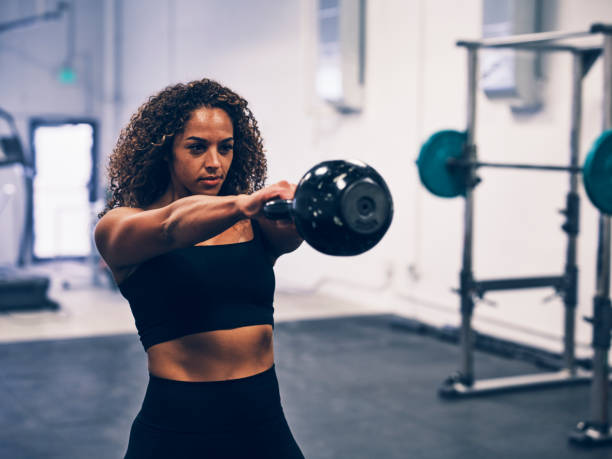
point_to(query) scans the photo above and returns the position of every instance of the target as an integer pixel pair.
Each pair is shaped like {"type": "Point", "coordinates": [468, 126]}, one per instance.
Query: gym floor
{"type": "Point", "coordinates": [353, 386]}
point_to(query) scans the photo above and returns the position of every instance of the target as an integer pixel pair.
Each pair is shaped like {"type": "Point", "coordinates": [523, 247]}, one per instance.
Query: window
{"type": "Point", "coordinates": [63, 188]}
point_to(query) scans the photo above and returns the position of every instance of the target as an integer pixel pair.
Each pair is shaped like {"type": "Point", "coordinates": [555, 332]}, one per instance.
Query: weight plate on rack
{"type": "Point", "coordinates": [597, 173]}
{"type": "Point", "coordinates": [436, 176]}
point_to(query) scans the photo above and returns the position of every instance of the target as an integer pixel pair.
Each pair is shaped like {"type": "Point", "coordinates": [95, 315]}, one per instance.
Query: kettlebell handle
{"type": "Point", "coordinates": [278, 209]}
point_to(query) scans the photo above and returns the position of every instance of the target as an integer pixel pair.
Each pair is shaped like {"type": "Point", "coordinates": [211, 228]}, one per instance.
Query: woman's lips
{"type": "Point", "coordinates": [210, 181]}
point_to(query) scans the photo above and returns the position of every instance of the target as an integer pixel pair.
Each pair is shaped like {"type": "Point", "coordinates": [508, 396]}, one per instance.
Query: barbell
{"type": "Point", "coordinates": [444, 168]}
{"type": "Point", "coordinates": [339, 207]}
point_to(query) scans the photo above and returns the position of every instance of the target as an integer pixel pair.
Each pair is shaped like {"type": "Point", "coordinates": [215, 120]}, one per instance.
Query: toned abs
{"type": "Point", "coordinates": [214, 355]}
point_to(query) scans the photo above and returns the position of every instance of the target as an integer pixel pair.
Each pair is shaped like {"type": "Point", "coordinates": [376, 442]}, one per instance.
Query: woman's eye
{"type": "Point", "coordinates": [227, 148]}
{"type": "Point", "coordinates": [196, 147]}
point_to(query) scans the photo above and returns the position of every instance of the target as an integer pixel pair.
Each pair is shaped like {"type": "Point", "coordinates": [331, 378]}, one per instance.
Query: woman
{"type": "Point", "coordinates": [185, 238]}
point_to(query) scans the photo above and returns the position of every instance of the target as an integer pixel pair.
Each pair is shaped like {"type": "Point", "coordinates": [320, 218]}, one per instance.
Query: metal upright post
{"type": "Point", "coordinates": [466, 276]}
{"type": "Point", "coordinates": [598, 430]}
{"type": "Point", "coordinates": [572, 212]}
{"type": "Point", "coordinates": [600, 386]}
{"type": "Point", "coordinates": [601, 340]}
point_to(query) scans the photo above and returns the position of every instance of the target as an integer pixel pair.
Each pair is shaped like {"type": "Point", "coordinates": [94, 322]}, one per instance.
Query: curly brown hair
{"type": "Point", "coordinates": [138, 172]}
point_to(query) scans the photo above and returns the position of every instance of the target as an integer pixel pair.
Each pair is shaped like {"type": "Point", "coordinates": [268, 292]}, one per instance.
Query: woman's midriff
{"type": "Point", "coordinates": [214, 356]}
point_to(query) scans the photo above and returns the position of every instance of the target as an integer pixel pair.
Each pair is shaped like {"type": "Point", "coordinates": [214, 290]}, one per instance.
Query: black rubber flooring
{"type": "Point", "coordinates": [354, 387]}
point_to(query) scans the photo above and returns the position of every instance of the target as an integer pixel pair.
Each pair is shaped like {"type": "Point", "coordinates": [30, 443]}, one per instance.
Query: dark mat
{"type": "Point", "coordinates": [353, 387]}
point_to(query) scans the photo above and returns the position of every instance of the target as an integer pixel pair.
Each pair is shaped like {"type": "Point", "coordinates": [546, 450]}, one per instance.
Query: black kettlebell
{"type": "Point", "coordinates": [339, 207]}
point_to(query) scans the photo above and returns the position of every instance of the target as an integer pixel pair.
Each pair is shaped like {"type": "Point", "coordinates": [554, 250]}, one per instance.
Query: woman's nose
{"type": "Point", "coordinates": [211, 159]}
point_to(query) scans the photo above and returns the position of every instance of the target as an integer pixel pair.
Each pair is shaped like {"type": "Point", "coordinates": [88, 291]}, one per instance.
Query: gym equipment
{"type": "Point", "coordinates": [598, 429]}
{"type": "Point", "coordinates": [20, 290]}
{"type": "Point", "coordinates": [444, 172]}
{"type": "Point", "coordinates": [461, 154]}
{"type": "Point", "coordinates": [433, 163]}
{"type": "Point", "coordinates": [597, 173]}
{"type": "Point", "coordinates": [339, 208]}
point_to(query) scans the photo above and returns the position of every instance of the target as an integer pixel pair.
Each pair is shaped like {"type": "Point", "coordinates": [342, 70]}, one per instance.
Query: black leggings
{"type": "Point", "coordinates": [239, 418]}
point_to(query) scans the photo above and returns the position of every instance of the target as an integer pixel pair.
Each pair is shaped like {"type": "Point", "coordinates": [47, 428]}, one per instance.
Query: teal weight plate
{"type": "Point", "coordinates": [432, 162]}
{"type": "Point", "coordinates": [597, 173]}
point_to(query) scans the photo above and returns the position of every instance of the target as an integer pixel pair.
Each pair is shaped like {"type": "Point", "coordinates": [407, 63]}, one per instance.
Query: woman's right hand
{"type": "Point", "coordinates": [252, 204]}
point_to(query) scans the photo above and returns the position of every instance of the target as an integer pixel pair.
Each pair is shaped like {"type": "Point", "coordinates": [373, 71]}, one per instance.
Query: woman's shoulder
{"type": "Point", "coordinates": [113, 216]}
{"type": "Point", "coordinates": [120, 211]}
{"type": "Point", "coordinates": [117, 212]}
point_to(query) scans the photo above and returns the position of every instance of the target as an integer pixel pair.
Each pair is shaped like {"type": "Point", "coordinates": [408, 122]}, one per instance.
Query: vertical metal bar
{"type": "Point", "coordinates": [572, 212]}
{"type": "Point", "coordinates": [603, 276]}
{"type": "Point", "coordinates": [600, 386]}
{"type": "Point", "coordinates": [472, 82]}
{"type": "Point", "coordinates": [466, 280]}
{"type": "Point", "coordinates": [471, 156]}
{"type": "Point", "coordinates": [576, 118]}
{"type": "Point", "coordinates": [603, 280]}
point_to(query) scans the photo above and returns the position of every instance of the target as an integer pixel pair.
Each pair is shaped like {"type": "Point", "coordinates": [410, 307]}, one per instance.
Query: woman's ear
{"type": "Point", "coordinates": [167, 154]}
{"type": "Point", "coordinates": [168, 147]}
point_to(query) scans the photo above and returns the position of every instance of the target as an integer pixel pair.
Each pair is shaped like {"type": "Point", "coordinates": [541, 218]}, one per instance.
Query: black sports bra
{"type": "Point", "coordinates": [201, 288]}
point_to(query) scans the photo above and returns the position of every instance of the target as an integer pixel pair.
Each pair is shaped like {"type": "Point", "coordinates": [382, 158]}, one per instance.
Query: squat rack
{"type": "Point", "coordinates": [463, 383]}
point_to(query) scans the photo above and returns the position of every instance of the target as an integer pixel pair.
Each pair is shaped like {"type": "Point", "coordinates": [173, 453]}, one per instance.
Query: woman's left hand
{"type": "Point", "coordinates": [281, 234]}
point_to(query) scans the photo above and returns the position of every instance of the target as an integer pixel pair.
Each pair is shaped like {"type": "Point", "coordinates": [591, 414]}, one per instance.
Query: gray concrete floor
{"type": "Point", "coordinates": [352, 387]}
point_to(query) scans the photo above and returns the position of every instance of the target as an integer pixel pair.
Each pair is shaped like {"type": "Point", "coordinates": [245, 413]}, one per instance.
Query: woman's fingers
{"type": "Point", "coordinates": [253, 203]}
{"type": "Point", "coordinates": [286, 189]}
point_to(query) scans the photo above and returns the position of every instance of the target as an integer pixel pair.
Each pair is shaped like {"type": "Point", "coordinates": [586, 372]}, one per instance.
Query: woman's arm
{"type": "Point", "coordinates": [127, 236]}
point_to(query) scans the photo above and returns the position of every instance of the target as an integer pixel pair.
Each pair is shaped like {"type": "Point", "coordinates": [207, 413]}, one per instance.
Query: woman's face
{"type": "Point", "coordinates": [202, 153]}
